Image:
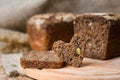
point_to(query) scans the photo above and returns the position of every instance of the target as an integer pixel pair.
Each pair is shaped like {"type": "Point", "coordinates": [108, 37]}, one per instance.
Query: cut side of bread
{"type": "Point", "coordinates": [41, 60]}
{"type": "Point", "coordinates": [101, 31]}
{"type": "Point", "coordinates": [71, 53]}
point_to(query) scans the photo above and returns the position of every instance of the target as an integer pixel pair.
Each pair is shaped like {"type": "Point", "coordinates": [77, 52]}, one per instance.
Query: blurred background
{"type": "Point", "coordinates": [15, 13]}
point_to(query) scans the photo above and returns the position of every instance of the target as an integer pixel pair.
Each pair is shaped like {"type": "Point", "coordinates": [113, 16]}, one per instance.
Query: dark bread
{"type": "Point", "coordinates": [102, 34]}
{"type": "Point", "coordinates": [41, 60]}
{"type": "Point", "coordinates": [71, 53]}
{"type": "Point", "coordinates": [45, 29]}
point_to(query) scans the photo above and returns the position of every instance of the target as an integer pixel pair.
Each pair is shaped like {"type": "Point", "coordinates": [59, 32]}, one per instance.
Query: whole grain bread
{"type": "Point", "coordinates": [41, 60]}
{"type": "Point", "coordinates": [71, 53]}
{"type": "Point", "coordinates": [102, 34]}
{"type": "Point", "coordinates": [44, 29]}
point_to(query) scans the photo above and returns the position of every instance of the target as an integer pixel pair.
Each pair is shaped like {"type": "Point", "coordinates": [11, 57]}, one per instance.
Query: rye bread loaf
{"type": "Point", "coordinates": [71, 53]}
{"type": "Point", "coordinates": [41, 60]}
{"type": "Point", "coordinates": [102, 34]}
{"type": "Point", "coordinates": [45, 29]}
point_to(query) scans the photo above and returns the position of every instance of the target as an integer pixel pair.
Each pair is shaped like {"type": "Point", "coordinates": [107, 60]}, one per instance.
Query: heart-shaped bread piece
{"type": "Point", "coordinates": [71, 53]}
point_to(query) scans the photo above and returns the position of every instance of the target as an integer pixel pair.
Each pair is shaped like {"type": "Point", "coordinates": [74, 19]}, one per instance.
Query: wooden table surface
{"type": "Point", "coordinates": [90, 70]}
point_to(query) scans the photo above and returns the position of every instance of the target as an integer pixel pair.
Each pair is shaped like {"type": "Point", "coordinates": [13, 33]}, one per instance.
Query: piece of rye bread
{"type": "Point", "coordinates": [102, 34]}
{"type": "Point", "coordinates": [71, 53]}
{"type": "Point", "coordinates": [44, 29]}
{"type": "Point", "coordinates": [40, 60]}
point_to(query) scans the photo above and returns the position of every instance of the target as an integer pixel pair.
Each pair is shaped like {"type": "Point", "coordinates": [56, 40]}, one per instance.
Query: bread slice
{"type": "Point", "coordinates": [41, 60]}
{"type": "Point", "coordinates": [71, 53]}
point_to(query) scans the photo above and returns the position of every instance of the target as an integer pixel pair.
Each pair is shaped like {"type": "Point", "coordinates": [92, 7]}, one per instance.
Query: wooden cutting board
{"type": "Point", "coordinates": [90, 70]}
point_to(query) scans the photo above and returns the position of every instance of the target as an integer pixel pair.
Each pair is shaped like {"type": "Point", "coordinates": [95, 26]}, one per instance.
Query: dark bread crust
{"type": "Point", "coordinates": [71, 53]}
{"type": "Point", "coordinates": [49, 28]}
{"type": "Point", "coordinates": [102, 34]}
{"type": "Point", "coordinates": [41, 60]}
